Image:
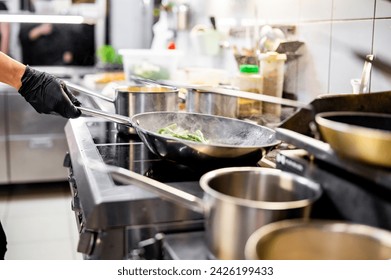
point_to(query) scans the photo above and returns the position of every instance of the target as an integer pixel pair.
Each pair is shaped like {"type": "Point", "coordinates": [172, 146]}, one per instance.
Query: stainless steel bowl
{"type": "Point", "coordinates": [318, 240]}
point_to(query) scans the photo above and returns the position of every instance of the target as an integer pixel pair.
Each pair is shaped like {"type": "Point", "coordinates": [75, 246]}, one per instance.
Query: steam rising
{"type": "Point", "coordinates": [218, 130]}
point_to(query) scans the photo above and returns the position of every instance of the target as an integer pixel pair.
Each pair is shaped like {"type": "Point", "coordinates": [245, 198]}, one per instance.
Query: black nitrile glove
{"type": "Point", "coordinates": [48, 94]}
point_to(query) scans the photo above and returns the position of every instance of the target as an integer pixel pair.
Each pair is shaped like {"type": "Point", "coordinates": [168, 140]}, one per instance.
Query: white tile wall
{"type": "Point", "coordinates": [381, 81]}
{"type": "Point", "coordinates": [327, 65]}
{"type": "Point", "coordinates": [280, 11]}
{"type": "Point", "coordinates": [348, 37]}
{"type": "Point", "coordinates": [224, 8]}
{"type": "Point", "coordinates": [383, 8]}
{"type": "Point", "coordinates": [313, 71]}
{"type": "Point", "coordinates": [353, 9]}
{"type": "Point", "coordinates": [315, 10]}
{"type": "Point", "coordinates": [332, 30]}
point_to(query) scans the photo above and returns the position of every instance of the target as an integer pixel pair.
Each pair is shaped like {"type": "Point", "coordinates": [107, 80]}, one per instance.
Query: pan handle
{"type": "Point", "coordinates": [108, 116]}
{"type": "Point", "coordinates": [88, 92]}
{"type": "Point", "coordinates": [172, 194]}
{"type": "Point", "coordinates": [144, 81]}
{"type": "Point", "coordinates": [311, 145]}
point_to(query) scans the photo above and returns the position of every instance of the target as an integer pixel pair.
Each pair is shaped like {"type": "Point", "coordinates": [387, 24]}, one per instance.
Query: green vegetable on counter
{"type": "Point", "coordinates": [174, 131]}
{"type": "Point", "coordinates": [107, 54]}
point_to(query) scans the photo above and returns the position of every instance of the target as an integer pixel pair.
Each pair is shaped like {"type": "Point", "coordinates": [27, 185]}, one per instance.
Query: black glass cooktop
{"type": "Point", "coordinates": [128, 151]}
{"type": "Point", "coordinates": [104, 132]}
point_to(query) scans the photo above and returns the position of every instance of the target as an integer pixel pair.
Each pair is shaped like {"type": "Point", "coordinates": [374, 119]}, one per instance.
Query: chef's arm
{"type": "Point", "coordinates": [11, 71]}
{"type": "Point", "coordinates": [46, 93]}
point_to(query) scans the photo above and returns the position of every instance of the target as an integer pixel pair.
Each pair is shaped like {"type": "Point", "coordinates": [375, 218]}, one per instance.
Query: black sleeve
{"type": "Point", "coordinates": [3, 243]}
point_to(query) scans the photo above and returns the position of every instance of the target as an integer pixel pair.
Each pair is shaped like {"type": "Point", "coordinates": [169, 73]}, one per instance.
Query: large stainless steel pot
{"type": "Point", "coordinates": [318, 240]}
{"type": "Point", "coordinates": [236, 201]}
{"type": "Point", "coordinates": [230, 141]}
{"type": "Point", "coordinates": [131, 100]}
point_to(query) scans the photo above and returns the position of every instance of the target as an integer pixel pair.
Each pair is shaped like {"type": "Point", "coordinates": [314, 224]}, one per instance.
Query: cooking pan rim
{"type": "Point", "coordinates": [123, 89]}
{"type": "Point", "coordinates": [261, 205]}
{"type": "Point", "coordinates": [199, 144]}
{"type": "Point", "coordinates": [321, 119]}
{"type": "Point", "coordinates": [335, 226]}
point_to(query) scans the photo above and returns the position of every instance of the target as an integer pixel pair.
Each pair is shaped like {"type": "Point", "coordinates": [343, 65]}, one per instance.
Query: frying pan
{"type": "Point", "coordinates": [356, 126]}
{"type": "Point", "coordinates": [230, 141]}
{"type": "Point", "coordinates": [361, 136]}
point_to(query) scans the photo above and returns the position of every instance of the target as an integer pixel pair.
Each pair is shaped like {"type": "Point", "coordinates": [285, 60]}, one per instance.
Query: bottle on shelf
{"type": "Point", "coordinates": [249, 80]}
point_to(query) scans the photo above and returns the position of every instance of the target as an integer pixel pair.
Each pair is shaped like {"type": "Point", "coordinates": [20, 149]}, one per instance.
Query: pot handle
{"type": "Point", "coordinates": [85, 91]}
{"type": "Point", "coordinates": [108, 116]}
{"type": "Point", "coordinates": [167, 192]}
{"type": "Point", "coordinates": [229, 92]}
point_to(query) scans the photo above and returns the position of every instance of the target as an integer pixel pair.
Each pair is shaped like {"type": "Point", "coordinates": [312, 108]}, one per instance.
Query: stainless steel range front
{"type": "Point", "coordinates": [123, 221]}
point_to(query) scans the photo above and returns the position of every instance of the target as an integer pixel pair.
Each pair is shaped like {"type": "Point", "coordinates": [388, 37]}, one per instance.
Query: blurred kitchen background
{"type": "Point", "coordinates": [336, 34]}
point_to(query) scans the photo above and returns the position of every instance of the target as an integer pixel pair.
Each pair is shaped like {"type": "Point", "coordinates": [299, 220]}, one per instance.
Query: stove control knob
{"type": "Point", "coordinates": [152, 248]}
{"type": "Point", "coordinates": [75, 204]}
{"type": "Point", "coordinates": [86, 242]}
{"type": "Point", "coordinates": [67, 161]}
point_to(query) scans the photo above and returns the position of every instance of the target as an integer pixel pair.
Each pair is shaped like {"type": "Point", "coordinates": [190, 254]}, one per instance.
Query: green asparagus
{"type": "Point", "coordinates": [174, 131]}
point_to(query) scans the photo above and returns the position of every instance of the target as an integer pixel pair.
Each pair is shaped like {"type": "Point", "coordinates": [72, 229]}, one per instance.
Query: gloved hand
{"type": "Point", "coordinates": [48, 94]}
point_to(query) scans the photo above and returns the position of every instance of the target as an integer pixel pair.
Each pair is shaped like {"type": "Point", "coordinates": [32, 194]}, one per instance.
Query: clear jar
{"type": "Point", "coordinates": [272, 70]}
{"type": "Point", "coordinates": [249, 80]}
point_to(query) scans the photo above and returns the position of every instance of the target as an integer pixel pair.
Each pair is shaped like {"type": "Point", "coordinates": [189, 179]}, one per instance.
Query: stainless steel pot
{"type": "Point", "coordinates": [131, 100]}
{"type": "Point", "coordinates": [206, 102]}
{"type": "Point", "coordinates": [236, 201]}
{"type": "Point", "coordinates": [318, 240]}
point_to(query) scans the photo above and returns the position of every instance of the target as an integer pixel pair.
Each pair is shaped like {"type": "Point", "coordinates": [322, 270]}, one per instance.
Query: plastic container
{"type": "Point", "coordinates": [206, 41]}
{"type": "Point", "coordinates": [272, 70]}
{"type": "Point", "coordinates": [150, 64]}
{"type": "Point", "coordinates": [249, 80]}
{"type": "Point", "coordinates": [203, 76]}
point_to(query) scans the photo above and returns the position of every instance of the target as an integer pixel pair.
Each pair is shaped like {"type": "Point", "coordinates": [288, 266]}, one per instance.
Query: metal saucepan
{"type": "Point", "coordinates": [230, 141]}
{"type": "Point", "coordinates": [227, 92]}
{"type": "Point", "coordinates": [365, 137]}
{"type": "Point", "coordinates": [236, 201]}
{"type": "Point", "coordinates": [318, 240]}
{"type": "Point", "coordinates": [134, 99]}
{"type": "Point", "coordinates": [208, 102]}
